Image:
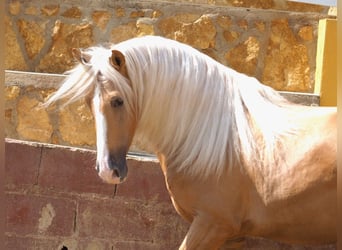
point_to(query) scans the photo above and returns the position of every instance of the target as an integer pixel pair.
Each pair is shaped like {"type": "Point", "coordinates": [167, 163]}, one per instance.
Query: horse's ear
{"type": "Point", "coordinates": [117, 60]}
{"type": "Point", "coordinates": [80, 56]}
{"type": "Point", "coordinates": [76, 53]}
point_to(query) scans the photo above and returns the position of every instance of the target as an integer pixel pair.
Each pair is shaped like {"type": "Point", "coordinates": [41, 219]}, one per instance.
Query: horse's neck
{"type": "Point", "coordinates": [154, 123]}
{"type": "Point", "coordinates": [205, 118]}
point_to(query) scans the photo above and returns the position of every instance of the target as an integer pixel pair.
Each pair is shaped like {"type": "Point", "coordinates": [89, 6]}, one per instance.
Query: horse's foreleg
{"type": "Point", "coordinates": [235, 244]}
{"type": "Point", "coordinates": [203, 234]}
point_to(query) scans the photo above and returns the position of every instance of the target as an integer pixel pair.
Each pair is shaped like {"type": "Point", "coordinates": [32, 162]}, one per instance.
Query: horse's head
{"type": "Point", "coordinates": [114, 124]}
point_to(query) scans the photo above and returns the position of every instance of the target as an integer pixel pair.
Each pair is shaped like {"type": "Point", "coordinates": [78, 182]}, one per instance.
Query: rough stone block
{"type": "Point", "coordinates": [31, 10]}
{"type": "Point", "coordinates": [14, 59]}
{"type": "Point", "coordinates": [123, 32]}
{"type": "Point", "coordinates": [157, 14]}
{"type": "Point", "coordinates": [14, 7]}
{"type": "Point", "coordinates": [65, 37]}
{"type": "Point", "coordinates": [199, 33]}
{"type": "Point", "coordinates": [9, 124]}
{"type": "Point", "coordinates": [73, 12]}
{"type": "Point", "coordinates": [50, 9]}
{"type": "Point", "coordinates": [33, 35]}
{"type": "Point", "coordinates": [263, 4]}
{"type": "Point", "coordinates": [230, 36]}
{"type": "Point", "coordinates": [36, 215]}
{"type": "Point", "coordinates": [138, 13]}
{"type": "Point", "coordinates": [243, 24]}
{"type": "Point", "coordinates": [244, 57]}
{"type": "Point", "coordinates": [145, 27]}
{"type": "Point", "coordinates": [286, 63]}
{"type": "Point", "coordinates": [101, 18]}
{"type": "Point", "coordinates": [12, 92]}
{"type": "Point", "coordinates": [260, 25]}
{"type": "Point", "coordinates": [306, 33]}
{"type": "Point", "coordinates": [120, 12]}
{"type": "Point", "coordinates": [33, 121]}
{"type": "Point", "coordinates": [224, 22]}
{"type": "Point", "coordinates": [76, 124]}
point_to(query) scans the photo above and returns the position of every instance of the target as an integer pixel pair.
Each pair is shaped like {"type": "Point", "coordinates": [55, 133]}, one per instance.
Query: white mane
{"type": "Point", "coordinates": [197, 112]}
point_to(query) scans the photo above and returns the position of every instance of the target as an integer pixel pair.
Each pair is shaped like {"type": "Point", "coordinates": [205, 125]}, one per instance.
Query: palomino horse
{"type": "Point", "coordinates": [238, 159]}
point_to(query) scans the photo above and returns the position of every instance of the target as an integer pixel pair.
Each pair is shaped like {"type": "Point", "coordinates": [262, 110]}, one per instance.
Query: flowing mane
{"type": "Point", "coordinates": [189, 106]}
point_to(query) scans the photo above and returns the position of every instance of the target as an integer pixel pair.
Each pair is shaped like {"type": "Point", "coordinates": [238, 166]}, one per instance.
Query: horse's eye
{"type": "Point", "coordinates": [116, 102]}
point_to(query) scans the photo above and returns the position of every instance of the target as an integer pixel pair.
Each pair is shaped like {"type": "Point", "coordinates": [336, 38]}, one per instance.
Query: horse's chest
{"type": "Point", "coordinates": [183, 196]}
{"type": "Point", "coordinates": [192, 197]}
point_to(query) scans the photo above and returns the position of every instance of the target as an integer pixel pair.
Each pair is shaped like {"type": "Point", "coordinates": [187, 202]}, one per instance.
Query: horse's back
{"type": "Point", "coordinates": [303, 188]}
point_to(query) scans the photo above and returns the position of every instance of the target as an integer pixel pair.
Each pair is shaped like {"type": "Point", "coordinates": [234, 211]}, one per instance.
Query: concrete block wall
{"type": "Point", "coordinates": [56, 201]}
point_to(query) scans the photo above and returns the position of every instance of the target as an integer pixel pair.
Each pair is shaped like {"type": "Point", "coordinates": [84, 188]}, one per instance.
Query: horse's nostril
{"type": "Point", "coordinates": [97, 167]}
{"type": "Point", "coordinates": [116, 172]}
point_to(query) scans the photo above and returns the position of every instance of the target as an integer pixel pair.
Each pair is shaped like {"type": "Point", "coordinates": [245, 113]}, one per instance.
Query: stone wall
{"type": "Point", "coordinates": [274, 41]}
{"type": "Point", "coordinates": [25, 119]}
{"type": "Point", "coordinates": [72, 125]}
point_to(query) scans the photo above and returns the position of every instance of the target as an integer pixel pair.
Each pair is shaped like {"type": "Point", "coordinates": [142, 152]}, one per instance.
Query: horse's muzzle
{"type": "Point", "coordinates": [118, 166]}
{"type": "Point", "coordinates": [113, 170]}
